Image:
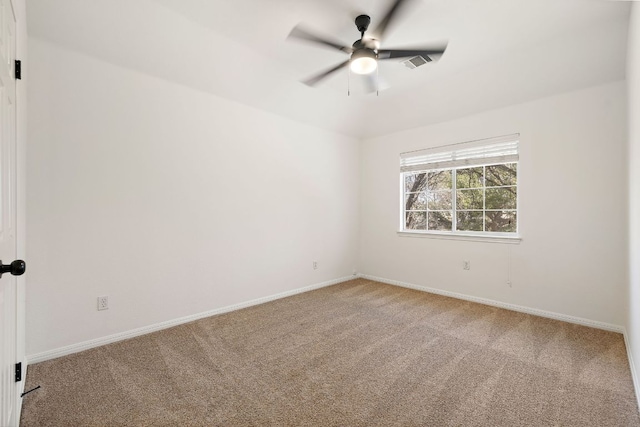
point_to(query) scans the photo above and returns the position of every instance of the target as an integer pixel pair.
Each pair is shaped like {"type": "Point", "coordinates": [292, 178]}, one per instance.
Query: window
{"type": "Point", "coordinates": [462, 188]}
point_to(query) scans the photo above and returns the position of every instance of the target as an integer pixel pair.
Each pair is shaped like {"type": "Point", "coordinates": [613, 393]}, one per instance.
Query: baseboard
{"type": "Point", "coordinates": [512, 307]}
{"type": "Point", "coordinates": [632, 368]}
{"type": "Point", "coordinates": [75, 348]}
{"type": "Point", "coordinates": [86, 345]}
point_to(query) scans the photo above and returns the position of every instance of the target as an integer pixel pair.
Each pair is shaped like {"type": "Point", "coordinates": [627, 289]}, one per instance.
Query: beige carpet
{"type": "Point", "coordinates": [355, 354]}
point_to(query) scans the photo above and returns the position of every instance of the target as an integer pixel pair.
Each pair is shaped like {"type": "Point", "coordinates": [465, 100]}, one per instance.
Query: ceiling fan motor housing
{"type": "Point", "coordinates": [371, 44]}
{"type": "Point", "coordinates": [364, 53]}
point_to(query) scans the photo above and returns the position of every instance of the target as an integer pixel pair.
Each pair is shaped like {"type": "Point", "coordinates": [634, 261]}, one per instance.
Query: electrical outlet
{"type": "Point", "coordinates": [466, 265]}
{"type": "Point", "coordinates": [103, 303]}
{"type": "Point", "coordinates": [315, 265]}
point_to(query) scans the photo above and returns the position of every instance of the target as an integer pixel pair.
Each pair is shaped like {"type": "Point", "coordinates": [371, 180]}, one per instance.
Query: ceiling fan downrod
{"type": "Point", "coordinates": [362, 23]}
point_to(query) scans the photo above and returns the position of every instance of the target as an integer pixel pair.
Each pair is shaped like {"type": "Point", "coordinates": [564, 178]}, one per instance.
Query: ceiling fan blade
{"type": "Point", "coordinates": [407, 53]}
{"type": "Point", "coordinates": [388, 17]}
{"type": "Point", "coordinates": [375, 83]}
{"type": "Point", "coordinates": [317, 78]}
{"type": "Point", "coordinates": [302, 34]}
{"type": "Point", "coordinates": [371, 82]}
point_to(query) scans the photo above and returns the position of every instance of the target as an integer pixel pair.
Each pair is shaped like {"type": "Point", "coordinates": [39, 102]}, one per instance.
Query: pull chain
{"type": "Point", "coordinates": [349, 82]}
{"type": "Point", "coordinates": [378, 81]}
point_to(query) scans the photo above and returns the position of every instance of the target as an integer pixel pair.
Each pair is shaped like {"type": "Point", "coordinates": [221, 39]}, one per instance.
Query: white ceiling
{"type": "Point", "coordinates": [500, 52]}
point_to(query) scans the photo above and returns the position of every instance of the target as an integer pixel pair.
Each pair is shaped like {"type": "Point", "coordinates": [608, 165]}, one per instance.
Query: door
{"type": "Point", "coordinates": [8, 300]}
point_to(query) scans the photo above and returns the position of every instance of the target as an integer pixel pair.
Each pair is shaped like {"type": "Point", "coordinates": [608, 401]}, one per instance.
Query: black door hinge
{"type": "Point", "coordinates": [18, 372]}
{"type": "Point", "coordinates": [18, 69]}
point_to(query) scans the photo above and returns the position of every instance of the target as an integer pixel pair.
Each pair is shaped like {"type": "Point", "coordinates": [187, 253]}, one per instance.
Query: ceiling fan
{"type": "Point", "coordinates": [365, 53]}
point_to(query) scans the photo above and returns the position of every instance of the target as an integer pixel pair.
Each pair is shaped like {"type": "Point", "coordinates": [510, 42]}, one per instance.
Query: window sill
{"type": "Point", "coordinates": [470, 237]}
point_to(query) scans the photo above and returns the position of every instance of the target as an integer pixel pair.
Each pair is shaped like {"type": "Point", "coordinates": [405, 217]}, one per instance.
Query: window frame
{"type": "Point", "coordinates": [494, 236]}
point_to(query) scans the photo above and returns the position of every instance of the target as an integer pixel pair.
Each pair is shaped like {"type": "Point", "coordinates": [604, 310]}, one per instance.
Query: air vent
{"type": "Point", "coordinates": [416, 61]}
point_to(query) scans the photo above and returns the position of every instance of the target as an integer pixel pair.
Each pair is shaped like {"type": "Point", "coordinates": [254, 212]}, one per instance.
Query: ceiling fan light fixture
{"type": "Point", "coordinates": [363, 61]}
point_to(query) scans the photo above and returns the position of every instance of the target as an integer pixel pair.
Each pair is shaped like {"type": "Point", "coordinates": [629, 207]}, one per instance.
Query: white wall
{"type": "Point", "coordinates": [633, 83]}
{"type": "Point", "coordinates": [170, 201]}
{"type": "Point", "coordinates": [573, 191]}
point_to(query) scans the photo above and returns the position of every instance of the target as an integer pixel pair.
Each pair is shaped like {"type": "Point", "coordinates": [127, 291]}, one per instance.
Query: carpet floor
{"type": "Point", "coordinates": [359, 353]}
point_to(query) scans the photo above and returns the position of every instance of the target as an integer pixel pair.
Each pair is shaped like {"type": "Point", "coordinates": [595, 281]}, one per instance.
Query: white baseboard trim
{"type": "Point", "coordinates": [632, 368]}
{"type": "Point", "coordinates": [86, 345]}
{"type": "Point", "coordinates": [512, 307]}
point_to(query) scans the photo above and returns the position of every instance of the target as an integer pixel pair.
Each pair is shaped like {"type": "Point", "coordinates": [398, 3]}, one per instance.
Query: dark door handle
{"type": "Point", "coordinates": [16, 268]}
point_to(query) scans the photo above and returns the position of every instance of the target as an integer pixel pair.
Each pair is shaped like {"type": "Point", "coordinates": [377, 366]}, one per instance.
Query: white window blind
{"type": "Point", "coordinates": [503, 149]}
